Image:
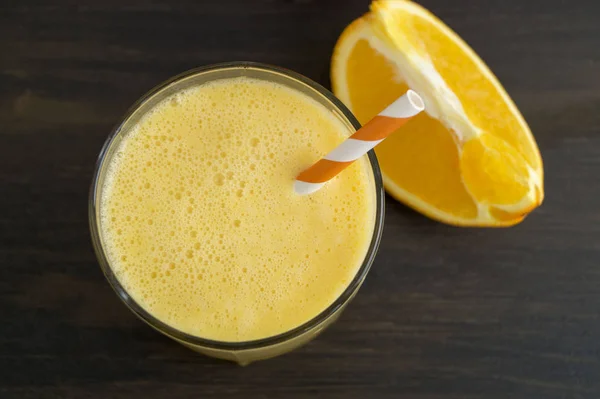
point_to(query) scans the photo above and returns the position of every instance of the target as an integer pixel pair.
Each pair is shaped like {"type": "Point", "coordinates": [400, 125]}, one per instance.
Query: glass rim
{"type": "Point", "coordinates": [189, 339]}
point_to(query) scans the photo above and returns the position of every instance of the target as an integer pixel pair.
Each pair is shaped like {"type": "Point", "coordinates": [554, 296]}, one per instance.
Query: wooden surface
{"type": "Point", "coordinates": [445, 313]}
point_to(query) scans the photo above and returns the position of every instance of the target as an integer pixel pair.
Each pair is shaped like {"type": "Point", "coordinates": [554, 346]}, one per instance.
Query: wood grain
{"type": "Point", "coordinates": [446, 313]}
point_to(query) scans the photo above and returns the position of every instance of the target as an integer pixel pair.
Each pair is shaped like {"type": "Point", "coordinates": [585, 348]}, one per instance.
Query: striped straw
{"type": "Point", "coordinates": [361, 142]}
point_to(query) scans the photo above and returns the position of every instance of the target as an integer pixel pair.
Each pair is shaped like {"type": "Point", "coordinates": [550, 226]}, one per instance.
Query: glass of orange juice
{"type": "Point", "coordinates": [197, 227]}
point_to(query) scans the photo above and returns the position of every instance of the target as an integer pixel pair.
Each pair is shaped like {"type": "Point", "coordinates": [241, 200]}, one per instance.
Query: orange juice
{"type": "Point", "coordinates": [201, 225]}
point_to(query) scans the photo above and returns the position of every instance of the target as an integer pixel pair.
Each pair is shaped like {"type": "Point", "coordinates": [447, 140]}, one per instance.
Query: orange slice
{"type": "Point", "coordinates": [470, 158]}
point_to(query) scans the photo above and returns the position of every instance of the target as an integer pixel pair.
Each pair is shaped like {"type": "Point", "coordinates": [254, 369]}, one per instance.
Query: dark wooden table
{"type": "Point", "coordinates": [445, 313]}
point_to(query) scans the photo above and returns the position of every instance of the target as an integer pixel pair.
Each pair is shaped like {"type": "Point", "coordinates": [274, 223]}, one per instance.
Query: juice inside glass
{"type": "Point", "coordinates": [196, 224]}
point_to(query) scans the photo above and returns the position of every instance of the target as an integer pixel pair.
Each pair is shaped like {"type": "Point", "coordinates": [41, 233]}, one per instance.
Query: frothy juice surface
{"type": "Point", "coordinates": [200, 221]}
